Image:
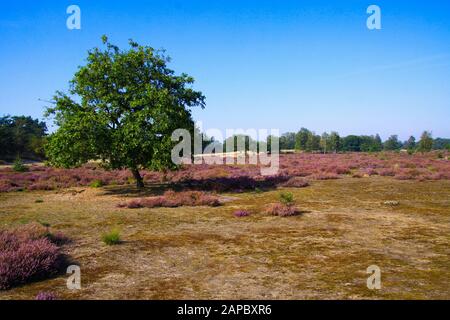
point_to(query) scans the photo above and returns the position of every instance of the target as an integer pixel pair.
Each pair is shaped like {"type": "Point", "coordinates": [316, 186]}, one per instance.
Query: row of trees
{"type": "Point", "coordinates": [306, 140]}
{"type": "Point", "coordinates": [22, 137]}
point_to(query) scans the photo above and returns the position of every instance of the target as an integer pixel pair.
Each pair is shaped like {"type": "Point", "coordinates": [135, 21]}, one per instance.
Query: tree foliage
{"type": "Point", "coordinates": [122, 108]}
{"type": "Point", "coordinates": [22, 137]}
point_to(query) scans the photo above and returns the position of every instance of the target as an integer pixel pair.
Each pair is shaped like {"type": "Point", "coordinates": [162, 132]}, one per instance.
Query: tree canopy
{"type": "Point", "coordinates": [21, 136]}
{"type": "Point", "coordinates": [121, 109]}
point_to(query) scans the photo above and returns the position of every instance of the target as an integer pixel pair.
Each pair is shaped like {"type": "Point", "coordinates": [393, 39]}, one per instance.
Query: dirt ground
{"type": "Point", "coordinates": [207, 253]}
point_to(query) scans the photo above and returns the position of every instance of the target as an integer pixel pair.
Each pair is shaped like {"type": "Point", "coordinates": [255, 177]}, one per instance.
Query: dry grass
{"type": "Point", "coordinates": [206, 253]}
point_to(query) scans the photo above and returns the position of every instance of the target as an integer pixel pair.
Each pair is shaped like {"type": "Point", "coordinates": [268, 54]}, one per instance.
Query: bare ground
{"type": "Point", "coordinates": [207, 253]}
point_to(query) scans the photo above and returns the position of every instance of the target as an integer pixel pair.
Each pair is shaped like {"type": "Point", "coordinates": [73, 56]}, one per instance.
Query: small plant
{"type": "Point", "coordinates": [46, 296]}
{"type": "Point", "coordinates": [241, 213]}
{"type": "Point", "coordinates": [96, 184]}
{"type": "Point", "coordinates": [287, 198]}
{"type": "Point", "coordinates": [281, 210]}
{"type": "Point", "coordinates": [18, 166]}
{"type": "Point", "coordinates": [39, 201]}
{"type": "Point", "coordinates": [111, 238]}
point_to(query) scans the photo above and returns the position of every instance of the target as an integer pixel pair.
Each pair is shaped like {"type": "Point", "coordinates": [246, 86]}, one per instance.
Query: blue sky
{"type": "Point", "coordinates": [261, 64]}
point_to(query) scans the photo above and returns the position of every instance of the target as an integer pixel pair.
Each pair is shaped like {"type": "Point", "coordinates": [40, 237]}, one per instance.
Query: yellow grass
{"type": "Point", "coordinates": [207, 253]}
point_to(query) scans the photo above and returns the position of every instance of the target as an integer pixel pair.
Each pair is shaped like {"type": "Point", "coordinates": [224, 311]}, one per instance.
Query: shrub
{"type": "Point", "coordinates": [39, 201]}
{"type": "Point", "coordinates": [287, 198]}
{"type": "Point", "coordinates": [241, 213]}
{"type": "Point", "coordinates": [281, 210]}
{"type": "Point", "coordinates": [172, 199]}
{"type": "Point", "coordinates": [27, 254]}
{"type": "Point", "coordinates": [296, 182]}
{"type": "Point", "coordinates": [111, 238]}
{"type": "Point", "coordinates": [96, 184]}
{"type": "Point", "coordinates": [46, 296]}
{"type": "Point", "coordinates": [18, 166]}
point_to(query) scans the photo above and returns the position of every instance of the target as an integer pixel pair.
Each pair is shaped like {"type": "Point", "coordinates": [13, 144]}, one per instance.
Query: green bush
{"type": "Point", "coordinates": [111, 238]}
{"type": "Point", "coordinates": [287, 198]}
{"type": "Point", "coordinates": [96, 184]}
{"type": "Point", "coordinates": [18, 166]}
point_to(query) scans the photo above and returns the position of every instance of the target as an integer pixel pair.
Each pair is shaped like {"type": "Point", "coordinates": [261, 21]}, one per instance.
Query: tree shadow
{"type": "Point", "coordinates": [216, 184]}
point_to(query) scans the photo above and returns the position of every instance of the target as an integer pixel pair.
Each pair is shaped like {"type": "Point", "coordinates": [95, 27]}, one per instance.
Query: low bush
{"type": "Point", "coordinates": [111, 238]}
{"type": "Point", "coordinates": [281, 210]}
{"type": "Point", "coordinates": [286, 198]}
{"type": "Point", "coordinates": [18, 166]}
{"type": "Point", "coordinates": [296, 182]}
{"type": "Point", "coordinates": [172, 199]}
{"type": "Point", "coordinates": [96, 184]}
{"type": "Point", "coordinates": [43, 296]}
{"type": "Point", "coordinates": [241, 213]}
{"type": "Point", "coordinates": [27, 254]}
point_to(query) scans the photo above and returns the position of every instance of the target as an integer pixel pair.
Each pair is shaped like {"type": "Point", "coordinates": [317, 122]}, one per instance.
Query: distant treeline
{"type": "Point", "coordinates": [306, 140]}
{"type": "Point", "coordinates": [22, 137]}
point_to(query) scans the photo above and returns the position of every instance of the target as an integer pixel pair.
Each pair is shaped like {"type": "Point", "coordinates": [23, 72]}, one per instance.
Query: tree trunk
{"type": "Point", "coordinates": [138, 178]}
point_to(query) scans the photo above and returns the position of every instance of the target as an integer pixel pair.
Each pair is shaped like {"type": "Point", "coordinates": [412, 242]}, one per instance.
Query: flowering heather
{"type": "Point", "coordinates": [281, 210]}
{"type": "Point", "coordinates": [220, 178]}
{"type": "Point", "coordinates": [46, 296]}
{"type": "Point", "coordinates": [172, 199]}
{"type": "Point", "coordinates": [241, 213]}
{"type": "Point", "coordinates": [296, 182]}
{"type": "Point", "coordinates": [27, 254]}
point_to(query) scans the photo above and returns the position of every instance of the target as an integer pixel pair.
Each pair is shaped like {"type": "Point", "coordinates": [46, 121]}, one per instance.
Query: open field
{"type": "Point", "coordinates": [208, 253]}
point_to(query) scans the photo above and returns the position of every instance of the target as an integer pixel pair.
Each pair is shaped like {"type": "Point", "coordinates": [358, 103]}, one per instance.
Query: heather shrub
{"type": "Point", "coordinates": [296, 182]}
{"type": "Point", "coordinates": [27, 254]}
{"type": "Point", "coordinates": [43, 296]}
{"type": "Point", "coordinates": [172, 199]}
{"type": "Point", "coordinates": [241, 213]}
{"type": "Point", "coordinates": [111, 238]}
{"type": "Point", "coordinates": [281, 210]}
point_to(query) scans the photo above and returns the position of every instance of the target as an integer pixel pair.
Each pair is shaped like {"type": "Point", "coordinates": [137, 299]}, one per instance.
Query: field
{"type": "Point", "coordinates": [354, 210]}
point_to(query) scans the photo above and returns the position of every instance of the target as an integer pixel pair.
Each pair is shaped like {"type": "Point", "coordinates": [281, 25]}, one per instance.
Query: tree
{"type": "Point", "coordinates": [426, 142]}
{"type": "Point", "coordinates": [287, 141]}
{"type": "Point", "coordinates": [301, 139]}
{"type": "Point", "coordinates": [122, 109]}
{"type": "Point", "coordinates": [410, 144]}
{"type": "Point", "coordinates": [335, 142]}
{"type": "Point", "coordinates": [351, 143]}
{"type": "Point", "coordinates": [313, 142]}
{"type": "Point", "coordinates": [21, 136]}
{"type": "Point", "coordinates": [324, 142]}
{"type": "Point", "coordinates": [392, 143]}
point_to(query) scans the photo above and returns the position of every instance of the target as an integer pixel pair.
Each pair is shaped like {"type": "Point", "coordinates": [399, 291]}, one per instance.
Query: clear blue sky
{"type": "Point", "coordinates": [261, 64]}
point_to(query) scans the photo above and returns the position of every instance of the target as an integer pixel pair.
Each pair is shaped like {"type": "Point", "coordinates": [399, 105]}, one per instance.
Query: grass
{"type": "Point", "coordinates": [206, 253]}
{"type": "Point", "coordinates": [111, 238]}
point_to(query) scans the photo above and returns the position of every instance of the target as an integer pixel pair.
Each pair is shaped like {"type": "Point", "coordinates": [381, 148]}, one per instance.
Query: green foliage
{"type": "Point", "coordinates": [287, 198]}
{"type": "Point", "coordinates": [18, 166]}
{"type": "Point", "coordinates": [426, 142]}
{"type": "Point", "coordinates": [21, 136]}
{"type": "Point", "coordinates": [111, 238]}
{"type": "Point", "coordinates": [122, 108]}
{"type": "Point", "coordinates": [301, 139]}
{"type": "Point", "coordinates": [392, 143]}
{"type": "Point", "coordinates": [96, 184]}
